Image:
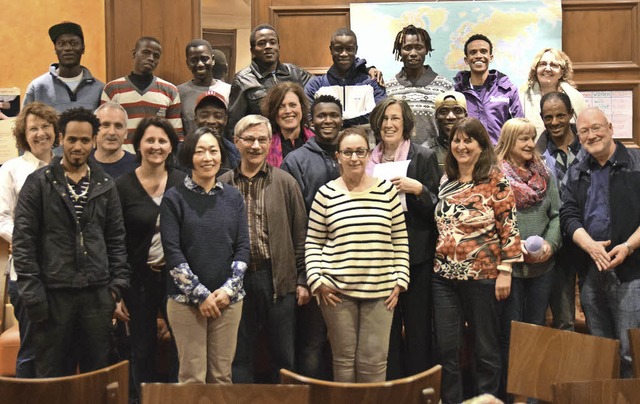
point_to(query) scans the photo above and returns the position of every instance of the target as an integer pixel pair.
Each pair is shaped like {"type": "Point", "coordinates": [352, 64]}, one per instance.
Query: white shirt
{"type": "Point", "coordinates": [13, 174]}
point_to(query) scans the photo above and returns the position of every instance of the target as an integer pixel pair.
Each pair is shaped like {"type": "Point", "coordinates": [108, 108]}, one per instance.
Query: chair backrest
{"type": "Point", "coordinates": [408, 390]}
{"type": "Point", "coordinates": [166, 393]}
{"type": "Point", "coordinates": [542, 356]}
{"type": "Point", "coordinates": [613, 391]}
{"type": "Point", "coordinates": [104, 386]}
{"type": "Point", "coordinates": [634, 341]}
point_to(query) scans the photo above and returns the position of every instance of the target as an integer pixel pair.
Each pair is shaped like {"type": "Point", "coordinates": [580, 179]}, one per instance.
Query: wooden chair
{"type": "Point", "coordinates": [634, 342]}
{"type": "Point", "coordinates": [421, 388]}
{"type": "Point", "coordinates": [613, 391]}
{"type": "Point", "coordinates": [104, 386]}
{"type": "Point", "coordinates": [542, 356]}
{"type": "Point", "coordinates": [153, 393]}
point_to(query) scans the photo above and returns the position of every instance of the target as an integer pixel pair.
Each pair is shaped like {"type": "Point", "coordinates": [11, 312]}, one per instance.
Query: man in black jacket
{"type": "Point", "coordinates": [601, 213]}
{"type": "Point", "coordinates": [69, 253]}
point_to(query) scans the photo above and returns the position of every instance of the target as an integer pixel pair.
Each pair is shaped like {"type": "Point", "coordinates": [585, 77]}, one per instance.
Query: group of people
{"type": "Point", "coordinates": [285, 209]}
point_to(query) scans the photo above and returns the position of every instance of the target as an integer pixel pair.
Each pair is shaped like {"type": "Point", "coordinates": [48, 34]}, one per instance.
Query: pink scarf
{"type": "Point", "coordinates": [529, 184]}
{"type": "Point", "coordinates": [402, 152]}
{"type": "Point", "coordinates": [274, 157]}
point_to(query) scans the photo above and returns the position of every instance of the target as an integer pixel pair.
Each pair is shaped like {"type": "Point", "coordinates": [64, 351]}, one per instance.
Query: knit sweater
{"type": "Point", "coordinates": [206, 231]}
{"type": "Point", "coordinates": [161, 99]}
{"type": "Point", "coordinates": [420, 94]}
{"type": "Point", "coordinates": [357, 241]}
{"type": "Point", "coordinates": [542, 220]}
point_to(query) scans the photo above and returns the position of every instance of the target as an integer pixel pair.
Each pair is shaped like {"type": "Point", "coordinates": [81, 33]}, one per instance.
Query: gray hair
{"type": "Point", "coordinates": [250, 121]}
{"type": "Point", "coordinates": [112, 105]}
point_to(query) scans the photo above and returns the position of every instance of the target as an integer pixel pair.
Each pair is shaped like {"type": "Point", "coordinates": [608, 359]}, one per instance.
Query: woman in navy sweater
{"type": "Point", "coordinates": [206, 244]}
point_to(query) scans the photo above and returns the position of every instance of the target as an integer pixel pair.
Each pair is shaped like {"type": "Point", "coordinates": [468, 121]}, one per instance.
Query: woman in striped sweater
{"type": "Point", "coordinates": [357, 259]}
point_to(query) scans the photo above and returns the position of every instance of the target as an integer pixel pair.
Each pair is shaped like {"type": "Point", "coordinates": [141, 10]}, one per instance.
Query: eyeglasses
{"type": "Point", "coordinates": [595, 128]}
{"type": "Point", "coordinates": [393, 119]}
{"type": "Point", "coordinates": [551, 65]}
{"type": "Point", "coordinates": [359, 152]}
{"type": "Point", "coordinates": [251, 140]}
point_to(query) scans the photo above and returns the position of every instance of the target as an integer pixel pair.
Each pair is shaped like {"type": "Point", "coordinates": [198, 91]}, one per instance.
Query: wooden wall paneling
{"type": "Point", "coordinates": [305, 33]}
{"type": "Point", "coordinates": [225, 41]}
{"type": "Point", "coordinates": [603, 39]}
{"type": "Point", "coordinates": [174, 23]}
{"type": "Point", "coordinates": [602, 34]}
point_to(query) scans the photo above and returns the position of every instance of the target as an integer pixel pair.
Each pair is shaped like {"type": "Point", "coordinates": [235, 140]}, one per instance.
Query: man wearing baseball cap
{"type": "Point", "coordinates": [212, 111]}
{"type": "Point", "coordinates": [451, 106]}
{"type": "Point", "coordinates": [67, 84]}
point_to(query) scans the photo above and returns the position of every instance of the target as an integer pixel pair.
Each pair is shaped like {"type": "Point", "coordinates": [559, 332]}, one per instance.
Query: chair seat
{"type": "Point", "coordinates": [9, 346]}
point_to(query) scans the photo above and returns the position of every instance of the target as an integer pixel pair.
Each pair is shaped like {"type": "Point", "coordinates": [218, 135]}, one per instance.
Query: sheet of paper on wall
{"type": "Point", "coordinates": [387, 171]}
{"type": "Point", "coordinates": [8, 148]}
{"type": "Point", "coordinates": [617, 107]}
{"type": "Point", "coordinates": [10, 101]}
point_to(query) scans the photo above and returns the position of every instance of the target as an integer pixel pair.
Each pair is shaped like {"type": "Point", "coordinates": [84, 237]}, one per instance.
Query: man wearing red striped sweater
{"type": "Point", "coordinates": [141, 93]}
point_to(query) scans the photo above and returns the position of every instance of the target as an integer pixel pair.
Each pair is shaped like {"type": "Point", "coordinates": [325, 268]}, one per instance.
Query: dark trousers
{"type": "Point", "coordinates": [562, 300]}
{"type": "Point", "coordinates": [263, 310]}
{"type": "Point", "coordinates": [144, 300]}
{"type": "Point", "coordinates": [25, 363]}
{"type": "Point", "coordinates": [413, 353]}
{"type": "Point", "coordinates": [473, 301]}
{"type": "Point", "coordinates": [79, 319]}
{"type": "Point", "coordinates": [312, 342]}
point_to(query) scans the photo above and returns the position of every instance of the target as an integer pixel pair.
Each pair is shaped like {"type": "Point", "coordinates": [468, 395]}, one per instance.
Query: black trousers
{"type": "Point", "coordinates": [78, 326]}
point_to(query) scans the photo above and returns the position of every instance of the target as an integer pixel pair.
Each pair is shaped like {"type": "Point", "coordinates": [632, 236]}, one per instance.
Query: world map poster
{"type": "Point", "coordinates": [517, 29]}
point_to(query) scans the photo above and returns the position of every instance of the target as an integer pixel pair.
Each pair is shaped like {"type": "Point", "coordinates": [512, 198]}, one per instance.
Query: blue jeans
{"type": "Point", "coordinates": [413, 353]}
{"type": "Point", "coordinates": [562, 300]}
{"type": "Point", "coordinates": [473, 301]}
{"type": "Point", "coordinates": [25, 363]}
{"type": "Point", "coordinates": [611, 307]}
{"type": "Point", "coordinates": [263, 310]}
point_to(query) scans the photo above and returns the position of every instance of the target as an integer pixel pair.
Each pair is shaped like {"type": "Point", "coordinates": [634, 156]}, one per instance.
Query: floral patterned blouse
{"type": "Point", "coordinates": [477, 228]}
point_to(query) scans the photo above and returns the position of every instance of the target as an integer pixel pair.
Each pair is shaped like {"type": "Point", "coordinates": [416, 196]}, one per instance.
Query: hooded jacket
{"type": "Point", "coordinates": [357, 92]}
{"type": "Point", "coordinates": [495, 104]}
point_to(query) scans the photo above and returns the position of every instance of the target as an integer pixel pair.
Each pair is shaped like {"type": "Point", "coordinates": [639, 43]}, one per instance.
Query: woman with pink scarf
{"type": "Point", "coordinates": [287, 109]}
{"type": "Point", "coordinates": [537, 205]}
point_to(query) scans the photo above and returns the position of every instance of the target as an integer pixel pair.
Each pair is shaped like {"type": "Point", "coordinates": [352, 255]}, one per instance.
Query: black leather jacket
{"type": "Point", "coordinates": [53, 249]}
{"type": "Point", "coordinates": [250, 87]}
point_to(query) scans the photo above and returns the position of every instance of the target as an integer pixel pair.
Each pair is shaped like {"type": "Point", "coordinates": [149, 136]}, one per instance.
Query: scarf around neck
{"type": "Point", "coordinates": [529, 183]}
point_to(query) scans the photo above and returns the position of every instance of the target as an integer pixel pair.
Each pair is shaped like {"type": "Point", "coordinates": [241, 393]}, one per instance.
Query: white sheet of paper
{"type": "Point", "coordinates": [387, 171]}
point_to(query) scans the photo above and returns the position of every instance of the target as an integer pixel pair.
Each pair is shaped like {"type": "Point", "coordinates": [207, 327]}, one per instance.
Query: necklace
{"type": "Point", "coordinates": [385, 158]}
{"type": "Point", "coordinates": [72, 192]}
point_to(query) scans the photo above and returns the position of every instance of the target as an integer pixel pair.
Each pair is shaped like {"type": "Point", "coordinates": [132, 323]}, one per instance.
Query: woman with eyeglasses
{"type": "Point", "coordinates": [35, 131]}
{"type": "Point", "coordinates": [478, 242]}
{"type": "Point", "coordinates": [550, 71]}
{"type": "Point", "coordinates": [392, 122]}
{"type": "Point", "coordinates": [357, 260]}
{"type": "Point", "coordinates": [205, 238]}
